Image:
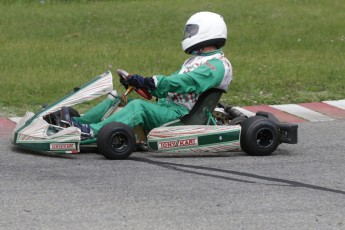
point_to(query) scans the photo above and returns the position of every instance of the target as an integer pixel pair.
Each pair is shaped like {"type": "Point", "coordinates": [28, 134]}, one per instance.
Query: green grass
{"type": "Point", "coordinates": [284, 51]}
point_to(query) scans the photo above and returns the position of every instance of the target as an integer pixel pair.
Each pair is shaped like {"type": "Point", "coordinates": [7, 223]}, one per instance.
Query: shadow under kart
{"type": "Point", "coordinates": [202, 130]}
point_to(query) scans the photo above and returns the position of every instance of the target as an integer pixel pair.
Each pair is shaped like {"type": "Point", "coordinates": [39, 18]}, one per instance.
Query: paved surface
{"type": "Point", "coordinates": [299, 187]}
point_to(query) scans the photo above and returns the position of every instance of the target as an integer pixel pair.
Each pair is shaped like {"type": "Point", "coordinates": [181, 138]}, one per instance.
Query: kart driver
{"type": "Point", "coordinates": [204, 34]}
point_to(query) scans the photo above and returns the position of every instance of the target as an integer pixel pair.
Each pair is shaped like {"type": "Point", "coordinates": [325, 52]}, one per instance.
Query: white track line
{"type": "Point", "coordinates": [339, 104]}
{"type": "Point", "coordinates": [303, 112]}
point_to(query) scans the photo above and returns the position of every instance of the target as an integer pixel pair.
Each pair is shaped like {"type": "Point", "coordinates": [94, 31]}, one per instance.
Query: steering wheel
{"type": "Point", "coordinates": [142, 92]}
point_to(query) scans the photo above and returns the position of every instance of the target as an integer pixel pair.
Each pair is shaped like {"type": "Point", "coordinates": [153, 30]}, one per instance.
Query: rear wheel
{"type": "Point", "coordinates": [259, 136]}
{"type": "Point", "coordinates": [116, 141]}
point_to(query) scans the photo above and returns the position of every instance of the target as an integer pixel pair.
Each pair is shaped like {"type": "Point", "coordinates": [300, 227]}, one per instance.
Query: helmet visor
{"type": "Point", "coordinates": [190, 30]}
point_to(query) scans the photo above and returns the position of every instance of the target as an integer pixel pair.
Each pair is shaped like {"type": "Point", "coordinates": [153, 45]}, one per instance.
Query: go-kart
{"type": "Point", "coordinates": [203, 129]}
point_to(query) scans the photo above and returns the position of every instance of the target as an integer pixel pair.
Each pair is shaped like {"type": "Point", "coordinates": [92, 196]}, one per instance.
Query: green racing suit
{"type": "Point", "coordinates": [176, 93]}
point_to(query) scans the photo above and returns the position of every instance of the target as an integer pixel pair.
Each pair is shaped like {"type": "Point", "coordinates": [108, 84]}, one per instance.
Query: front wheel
{"type": "Point", "coordinates": [259, 136]}
{"type": "Point", "coordinates": [116, 141]}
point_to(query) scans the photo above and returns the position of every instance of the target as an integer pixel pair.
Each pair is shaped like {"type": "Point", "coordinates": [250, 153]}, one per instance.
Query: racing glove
{"type": "Point", "coordinates": [141, 82]}
{"type": "Point", "coordinates": [124, 82]}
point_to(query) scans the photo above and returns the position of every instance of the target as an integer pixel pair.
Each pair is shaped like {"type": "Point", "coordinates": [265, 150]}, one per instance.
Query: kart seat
{"type": "Point", "coordinates": [203, 108]}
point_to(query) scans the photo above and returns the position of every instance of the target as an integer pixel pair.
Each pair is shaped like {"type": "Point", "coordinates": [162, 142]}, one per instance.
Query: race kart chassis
{"type": "Point", "coordinates": [200, 130]}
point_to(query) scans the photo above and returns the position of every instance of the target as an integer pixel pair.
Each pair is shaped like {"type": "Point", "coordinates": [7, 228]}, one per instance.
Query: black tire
{"type": "Point", "coordinates": [238, 120]}
{"type": "Point", "coordinates": [116, 141]}
{"type": "Point", "coordinates": [259, 136]}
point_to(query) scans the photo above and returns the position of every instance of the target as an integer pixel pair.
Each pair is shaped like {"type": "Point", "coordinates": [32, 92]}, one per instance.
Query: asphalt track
{"type": "Point", "coordinates": [299, 187]}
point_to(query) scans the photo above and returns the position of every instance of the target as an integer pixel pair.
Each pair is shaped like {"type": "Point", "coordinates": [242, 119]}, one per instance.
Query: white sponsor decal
{"type": "Point", "coordinates": [62, 146]}
{"type": "Point", "coordinates": [178, 143]}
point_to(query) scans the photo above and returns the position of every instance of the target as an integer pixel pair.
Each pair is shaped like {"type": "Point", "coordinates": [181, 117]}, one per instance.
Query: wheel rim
{"type": "Point", "coordinates": [119, 142]}
{"type": "Point", "coordinates": [264, 138]}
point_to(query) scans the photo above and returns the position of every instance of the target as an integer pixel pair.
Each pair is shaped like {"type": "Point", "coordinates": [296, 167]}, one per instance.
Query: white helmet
{"type": "Point", "coordinates": [204, 29]}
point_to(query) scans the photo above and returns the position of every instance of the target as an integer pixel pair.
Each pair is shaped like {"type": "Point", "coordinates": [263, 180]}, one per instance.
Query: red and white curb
{"type": "Point", "coordinates": [302, 112]}
{"type": "Point", "coordinates": [295, 113]}
{"type": "Point", "coordinates": [6, 127]}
